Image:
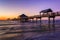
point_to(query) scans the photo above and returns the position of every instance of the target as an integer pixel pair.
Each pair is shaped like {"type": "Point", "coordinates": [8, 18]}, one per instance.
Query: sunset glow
{"type": "Point", "coordinates": [14, 8]}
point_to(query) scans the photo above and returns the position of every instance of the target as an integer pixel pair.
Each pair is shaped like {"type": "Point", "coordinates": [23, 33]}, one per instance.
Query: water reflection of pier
{"type": "Point", "coordinates": [46, 13]}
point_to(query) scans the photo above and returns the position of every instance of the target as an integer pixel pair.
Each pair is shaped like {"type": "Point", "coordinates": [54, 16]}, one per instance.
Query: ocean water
{"type": "Point", "coordinates": [46, 22]}
{"type": "Point", "coordinates": [12, 26]}
{"type": "Point", "coordinates": [17, 24]}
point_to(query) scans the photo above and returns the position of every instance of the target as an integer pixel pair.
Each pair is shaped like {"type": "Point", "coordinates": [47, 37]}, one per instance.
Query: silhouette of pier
{"type": "Point", "coordinates": [46, 13]}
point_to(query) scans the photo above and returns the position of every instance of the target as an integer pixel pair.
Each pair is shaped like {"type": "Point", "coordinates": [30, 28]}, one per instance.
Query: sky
{"type": "Point", "coordinates": [14, 8]}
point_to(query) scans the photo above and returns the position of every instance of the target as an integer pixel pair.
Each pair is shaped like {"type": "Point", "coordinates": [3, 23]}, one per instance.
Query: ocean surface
{"type": "Point", "coordinates": [15, 26]}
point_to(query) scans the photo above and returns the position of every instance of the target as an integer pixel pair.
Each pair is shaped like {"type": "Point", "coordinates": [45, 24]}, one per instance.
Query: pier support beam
{"type": "Point", "coordinates": [36, 20]}
{"type": "Point", "coordinates": [40, 22]}
{"type": "Point", "coordinates": [53, 25]}
{"type": "Point", "coordinates": [49, 23]}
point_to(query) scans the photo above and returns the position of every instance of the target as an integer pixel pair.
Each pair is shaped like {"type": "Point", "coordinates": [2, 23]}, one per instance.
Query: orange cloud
{"type": "Point", "coordinates": [3, 18]}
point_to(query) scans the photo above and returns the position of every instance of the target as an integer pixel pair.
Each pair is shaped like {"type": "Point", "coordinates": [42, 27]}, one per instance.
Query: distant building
{"type": "Point", "coordinates": [14, 19]}
{"type": "Point", "coordinates": [23, 18]}
{"type": "Point", "coordinates": [8, 19]}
